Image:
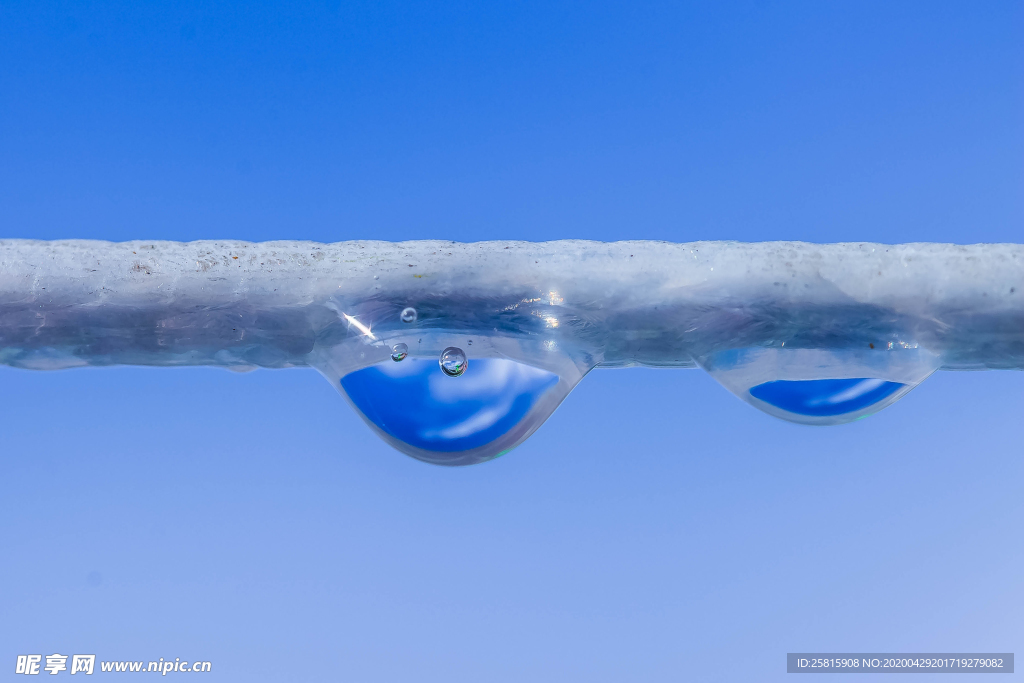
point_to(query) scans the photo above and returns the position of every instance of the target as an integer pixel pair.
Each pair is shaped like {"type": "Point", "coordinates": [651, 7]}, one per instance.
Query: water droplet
{"type": "Point", "coordinates": [825, 397]}
{"type": "Point", "coordinates": [409, 315]}
{"type": "Point", "coordinates": [399, 352]}
{"type": "Point", "coordinates": [821, 387]}
{"type": "Point", "coordinates": [416, 408]}
{"type": "Point", "coordinates": [453, 361]}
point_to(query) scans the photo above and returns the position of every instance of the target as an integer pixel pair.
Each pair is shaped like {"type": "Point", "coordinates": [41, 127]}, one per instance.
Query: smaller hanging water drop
{"type": "Point", "coordinates": [826, 398]}
{"type": "Point", "coordinates": [820, 386]}
{"type": "Point", "coordinates": [399, 352]}
{"type": "Point", "coordinates": [408, 315]}
{"type": "Point", "coordinates": [453, 361]}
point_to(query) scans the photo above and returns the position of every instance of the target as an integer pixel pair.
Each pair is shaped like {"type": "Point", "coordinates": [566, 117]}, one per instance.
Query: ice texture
{"type": "Point", "coordinates": [816, 333]}
{"type": "Point", "coordinates": [81, 302]}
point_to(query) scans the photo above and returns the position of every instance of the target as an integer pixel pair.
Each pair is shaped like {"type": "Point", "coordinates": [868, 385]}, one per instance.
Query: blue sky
{"type": "Point", "coordinates": [656, 528]}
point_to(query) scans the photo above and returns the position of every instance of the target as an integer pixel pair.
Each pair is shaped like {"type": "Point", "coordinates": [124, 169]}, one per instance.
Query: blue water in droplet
{"type": "Point", "coordinates": [416, 403]}
{"type": "Point", "coordinates": [825, 397]}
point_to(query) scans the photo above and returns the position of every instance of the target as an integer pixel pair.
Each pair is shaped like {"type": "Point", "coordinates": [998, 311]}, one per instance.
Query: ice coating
{"type": "Point", "coordinates": [812, 333]}
{"type": "Point", "coordinates": [80, 302]}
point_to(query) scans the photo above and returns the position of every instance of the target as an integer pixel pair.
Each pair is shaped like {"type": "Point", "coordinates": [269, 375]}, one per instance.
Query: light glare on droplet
{"type": "Point", "coordinates": [359, 326]}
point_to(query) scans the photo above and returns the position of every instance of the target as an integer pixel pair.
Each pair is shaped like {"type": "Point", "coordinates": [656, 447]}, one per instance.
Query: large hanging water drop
{"type": "Point", "coordinates": [421, 394]}
{"type": "Point", "coordinates": [821, 387]}
{"type": "Point", "coordinates": [418, 408]}
{"type": "Point", "coordinates": [453, 361]}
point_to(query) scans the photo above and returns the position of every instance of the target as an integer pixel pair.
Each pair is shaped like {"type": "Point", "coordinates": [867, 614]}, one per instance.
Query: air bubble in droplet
{"type": "Point", "coordinates": [408, 315]}
{"type": "Point", "coordinates": [453, 361]}
{"type": "Point", "coordinates": [399, 352]}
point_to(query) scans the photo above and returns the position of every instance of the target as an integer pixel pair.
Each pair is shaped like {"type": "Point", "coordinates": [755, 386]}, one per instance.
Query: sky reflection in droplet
{"type": "Point", "coordinates": [416, 403]}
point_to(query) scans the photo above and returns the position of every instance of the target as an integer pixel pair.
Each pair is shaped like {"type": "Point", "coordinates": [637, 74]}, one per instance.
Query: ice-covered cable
{"type": "Point", "coordinates": [240, 304]}
{"type": "Point", "coordinates": [456, 353]}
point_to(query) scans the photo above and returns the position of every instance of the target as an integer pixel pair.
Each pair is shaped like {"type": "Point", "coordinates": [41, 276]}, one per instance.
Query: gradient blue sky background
{"type": "Point", "coordinates": [656, 529]}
